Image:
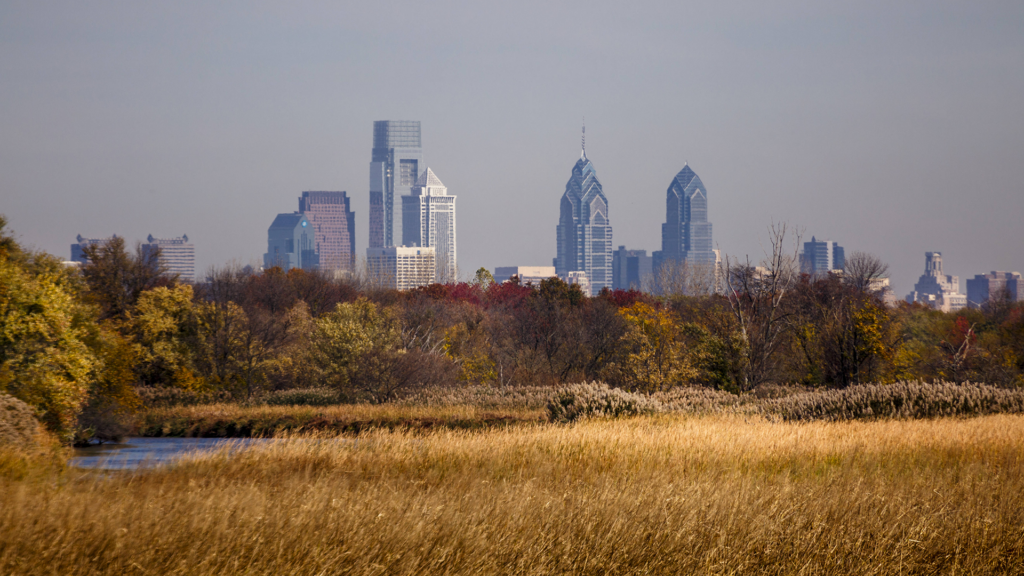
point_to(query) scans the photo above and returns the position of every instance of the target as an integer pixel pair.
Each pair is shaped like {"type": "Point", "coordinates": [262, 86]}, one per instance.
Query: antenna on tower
{"type": "Point", "coordinates": [583, 140]}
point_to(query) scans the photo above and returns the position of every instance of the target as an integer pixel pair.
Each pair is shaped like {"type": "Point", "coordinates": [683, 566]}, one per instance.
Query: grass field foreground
{"type": "Point", "coordinates": [667, 494]}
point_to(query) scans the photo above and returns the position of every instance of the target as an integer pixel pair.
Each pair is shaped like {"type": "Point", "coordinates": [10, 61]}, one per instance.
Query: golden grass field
{"type": "Point", "coordinates": [667, 494]}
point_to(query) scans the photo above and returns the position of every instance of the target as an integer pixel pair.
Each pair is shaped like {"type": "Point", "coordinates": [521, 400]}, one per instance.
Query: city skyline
{"type": "Point", "coordinates": [894, 128]}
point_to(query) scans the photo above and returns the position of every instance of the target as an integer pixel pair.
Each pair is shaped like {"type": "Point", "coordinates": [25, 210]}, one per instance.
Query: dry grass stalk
{"type": "Point", "coordinates": [665, 494]}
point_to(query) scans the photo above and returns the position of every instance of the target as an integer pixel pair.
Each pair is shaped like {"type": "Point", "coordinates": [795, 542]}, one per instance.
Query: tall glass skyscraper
{"type": "Point", "coordinates": [584, 230]}
{"type": "Point", "coordinates": [686, 233]}
{"type": "Point", "coordinates": [394, 168]}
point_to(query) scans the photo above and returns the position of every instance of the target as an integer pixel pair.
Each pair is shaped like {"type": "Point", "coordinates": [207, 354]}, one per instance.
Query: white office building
{"type": "Point", "coordinates": [400, 267]}
{"type": "Point", "coordinates": [428, 220]}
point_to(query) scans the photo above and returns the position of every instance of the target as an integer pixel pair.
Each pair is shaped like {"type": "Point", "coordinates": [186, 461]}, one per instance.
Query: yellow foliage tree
{"type": "Point", "coordinates": [652, 356]}
{"type": "Point", "coordinates": [43, 359]}
{"type": "Point", "coordinates": [166, 330]}
{"type": "Point", "coordinates": [347, 334]}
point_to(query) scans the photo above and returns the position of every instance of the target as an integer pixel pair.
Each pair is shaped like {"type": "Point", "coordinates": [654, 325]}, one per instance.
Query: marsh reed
{"type": "Point", "coordinates": [665, 494]}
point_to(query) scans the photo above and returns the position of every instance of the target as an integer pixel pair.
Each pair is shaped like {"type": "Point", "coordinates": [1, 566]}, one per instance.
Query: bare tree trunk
{"type": "Point", "coordinates": [756, 296]}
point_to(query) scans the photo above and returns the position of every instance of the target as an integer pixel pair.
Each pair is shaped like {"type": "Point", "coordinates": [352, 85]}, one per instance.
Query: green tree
{"type": "Point", "coordinates": [483, 278]}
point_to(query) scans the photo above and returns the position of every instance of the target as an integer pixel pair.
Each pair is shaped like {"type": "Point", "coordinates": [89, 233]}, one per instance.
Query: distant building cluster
{"type": "Point", "coordinates": [584, 254]}
{"type": "Point", "coordinates": [321, 235]}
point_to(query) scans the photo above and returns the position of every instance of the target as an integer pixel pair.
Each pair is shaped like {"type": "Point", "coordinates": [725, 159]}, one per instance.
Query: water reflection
{"type": "Point", "coordinates": [139, 453]}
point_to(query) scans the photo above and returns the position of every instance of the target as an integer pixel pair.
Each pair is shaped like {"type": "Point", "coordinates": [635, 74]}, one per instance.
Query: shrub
{"type": "Point", "coordinates": [166, 397]}
{"type": "Point", "coordinates": [699, 400]}
{"type": "Point", "coordinates": [304, 397]}
{"type": "Point", "coordinates": [18, 424]}
{"type": "Point", "coordinates": [483, 396]}
{"type": "Point", "coordinates": [597, 400]}
{"type": "Point", "coordinates": [900, 400]}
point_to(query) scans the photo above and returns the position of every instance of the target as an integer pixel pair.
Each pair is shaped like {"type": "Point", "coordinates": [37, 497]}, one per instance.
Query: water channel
{"type": "Point", "coordinates": [142, 453]}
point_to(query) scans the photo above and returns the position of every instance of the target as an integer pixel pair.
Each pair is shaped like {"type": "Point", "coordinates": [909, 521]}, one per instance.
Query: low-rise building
{"type": "Point", "coordinates": [400, 267]}
{"type": "Point", "coordinates": [527, 274]}
{"type": "Point", "coordinates": [580, 278]}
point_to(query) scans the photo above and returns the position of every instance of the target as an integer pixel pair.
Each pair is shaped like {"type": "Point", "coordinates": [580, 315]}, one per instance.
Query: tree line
{"type": "Point", "coordinates": [77, 344]}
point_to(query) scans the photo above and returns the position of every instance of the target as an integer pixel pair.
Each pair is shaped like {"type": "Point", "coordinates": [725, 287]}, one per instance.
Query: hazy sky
{"type": "Point", "coordinates": [891, 127]}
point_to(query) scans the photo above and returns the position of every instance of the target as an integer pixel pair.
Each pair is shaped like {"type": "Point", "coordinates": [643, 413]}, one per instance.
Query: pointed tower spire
{"type": "Point", "coordinates": [583, 140]}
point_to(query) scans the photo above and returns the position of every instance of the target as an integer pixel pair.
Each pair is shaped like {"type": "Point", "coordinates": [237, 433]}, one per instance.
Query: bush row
{"type": "Point", "coordinates": [902, 400]}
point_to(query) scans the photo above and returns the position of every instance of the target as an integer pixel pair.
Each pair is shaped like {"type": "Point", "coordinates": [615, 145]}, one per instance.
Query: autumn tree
{"type": "Point", "coordinates": [342, 337]}
{"type": "Point", "coordinates": [651, 356]}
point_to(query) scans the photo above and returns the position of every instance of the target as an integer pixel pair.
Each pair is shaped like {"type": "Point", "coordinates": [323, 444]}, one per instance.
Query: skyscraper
{"type": "Point", "coordinates": [291, 243]}
{"type": "Point", "coordinates": [584, 230]}
{"type": "Point", "coordinates": [334, 228]}
{"type": "Point", "coordinates": [177, 255]}
{"type": "Point", "coordinates": [822, 257]}
{"type": "Point", "coordinates": [686, 233]}
{"type": "Point", "coordinates": [394, 167]}
{"type": "Point", "coordinates": [428, 220]}
{"type": "Point", "coordinates": [983, 287]}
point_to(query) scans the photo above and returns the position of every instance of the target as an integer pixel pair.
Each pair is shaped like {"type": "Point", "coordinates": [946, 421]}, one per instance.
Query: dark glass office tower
{"type": "Point", "coordinates": [394, 169]}
{"type": "Point", "coordinates": [686, 233]}
{"type": "Point", "coordinates": [822, 257]}
{"type": "Point", "coordinates": [584, 230]}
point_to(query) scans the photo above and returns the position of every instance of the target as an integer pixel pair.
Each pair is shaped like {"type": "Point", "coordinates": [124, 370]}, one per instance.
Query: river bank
{"type": "Point", "coordinates": [237, 421]}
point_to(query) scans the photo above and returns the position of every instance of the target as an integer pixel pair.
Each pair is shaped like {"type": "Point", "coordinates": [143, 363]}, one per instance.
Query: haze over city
{"type": "Point", "coordinates": [893, 130]}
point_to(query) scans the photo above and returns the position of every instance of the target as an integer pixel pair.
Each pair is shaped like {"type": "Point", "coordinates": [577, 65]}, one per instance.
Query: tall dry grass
{"type": "Point", "coordinates": [665, 494]}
